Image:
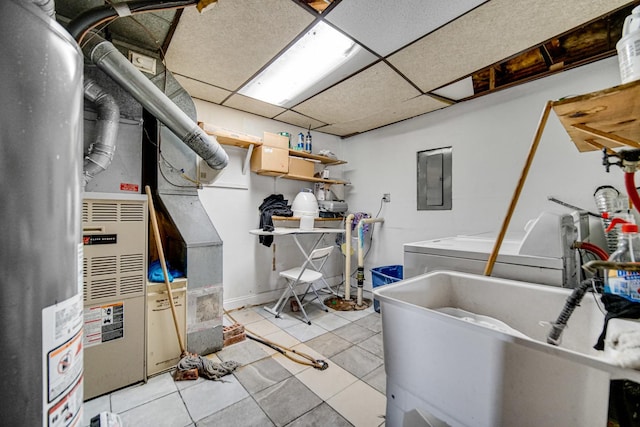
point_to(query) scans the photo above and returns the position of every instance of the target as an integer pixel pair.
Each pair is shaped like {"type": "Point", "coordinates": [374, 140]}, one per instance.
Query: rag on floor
{"type": "Point", "coordinates": [275, 204]}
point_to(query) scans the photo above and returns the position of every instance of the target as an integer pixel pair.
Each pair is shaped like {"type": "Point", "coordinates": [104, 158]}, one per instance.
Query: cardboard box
{"type": "Point", "coordinates": [300, 167]}
{"type": "Point", "coordinates": [269, 159]}
{"type": "Point", "coordinates": [275, 140]}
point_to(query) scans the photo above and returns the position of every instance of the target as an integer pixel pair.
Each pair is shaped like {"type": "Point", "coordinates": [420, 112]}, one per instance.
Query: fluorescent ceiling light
{"type": "Point", "coordinates": [319, 52]}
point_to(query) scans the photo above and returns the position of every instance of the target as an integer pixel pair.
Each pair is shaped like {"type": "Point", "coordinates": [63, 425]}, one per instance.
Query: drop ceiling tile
{"type": "Point", "coordinates": [401, 21]}
{"type": "Point", "coordinates": [298, 119]}
{"type": "Point", "coordinates": [490, 33]}
{"type": "Point", "coordinates": [228, 44]}
{"type": "Point", "coordinates": [202, 90]}
{"type": "Point", "coordinates": [250, 105]}
{"type": "Point", "coordinates": [393, 113]}
{"type": "Point", "coordinates": [360, 96]}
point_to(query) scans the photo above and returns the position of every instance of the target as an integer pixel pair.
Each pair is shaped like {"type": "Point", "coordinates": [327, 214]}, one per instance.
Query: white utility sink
{"type": "Point", "coordinates": [467, 373]}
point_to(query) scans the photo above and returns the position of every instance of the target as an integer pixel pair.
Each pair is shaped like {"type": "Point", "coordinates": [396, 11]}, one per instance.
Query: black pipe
{"type": "Point", "coordinates": [84, 22]}
{"type": "Point", "coordinates": [572, 302]}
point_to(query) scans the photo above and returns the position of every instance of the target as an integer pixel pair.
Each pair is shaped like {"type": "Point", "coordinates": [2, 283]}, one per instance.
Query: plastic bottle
{"type": "Point", "coordinates": [628, 54]}
{"type": "Point", "coordinates": [300, 146]}
{"type": "Point", "coordinates": [307, 143]}
{"type": "Point", "coordinates": [619, 282]}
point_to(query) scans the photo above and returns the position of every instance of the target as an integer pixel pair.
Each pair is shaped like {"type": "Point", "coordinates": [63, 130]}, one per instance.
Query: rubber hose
{"type": "Point", "coordinates": [632, 192]}
{"type": "Point", "coordinates": [594, 249]}
{"type": "Point", "coordinates": [572, 302]}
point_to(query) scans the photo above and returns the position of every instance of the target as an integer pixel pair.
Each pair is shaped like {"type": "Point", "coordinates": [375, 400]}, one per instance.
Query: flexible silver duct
{"type": "Point", "coordinates": [102, 149]}
{"type": "Point", "coordinates": [115, 65]}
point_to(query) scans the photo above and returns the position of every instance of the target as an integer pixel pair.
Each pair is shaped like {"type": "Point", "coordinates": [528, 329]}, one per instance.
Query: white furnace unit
{"type": "Point", "coordinates": [114, 231]}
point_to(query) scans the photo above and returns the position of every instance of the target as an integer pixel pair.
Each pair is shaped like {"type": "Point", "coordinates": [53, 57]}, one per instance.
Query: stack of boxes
{"type": "Point", "coordinates": [273, 157]}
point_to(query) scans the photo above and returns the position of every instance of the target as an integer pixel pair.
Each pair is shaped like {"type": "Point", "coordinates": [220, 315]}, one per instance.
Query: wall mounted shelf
{"type": "Point", "coordinates": [226, 137]}
{"type": "Point", "coordinates": [322, 159]}
{"type": "Point", "coordinates": [302, 178]}
{"type": "Point", "coordinates": [250, 142]}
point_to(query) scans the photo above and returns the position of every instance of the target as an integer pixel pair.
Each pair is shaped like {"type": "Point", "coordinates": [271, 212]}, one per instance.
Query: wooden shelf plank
{"type": "Point", "coordinates": [249, 142]}
{"type": "Point", "coordinates": [297, 218]}
{"type": "Point", "coordinates": [225, 137]}
{"type": "Point", "coordinates": [613, 112]}
{"type": "Point", "coordinates": [322, 159]}
{"type": "Point", "coordinates": [302, 178]}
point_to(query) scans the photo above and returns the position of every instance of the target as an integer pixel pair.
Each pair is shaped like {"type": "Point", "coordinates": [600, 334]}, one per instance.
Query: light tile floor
{"type": "Point", "coordinates": [269, 389]}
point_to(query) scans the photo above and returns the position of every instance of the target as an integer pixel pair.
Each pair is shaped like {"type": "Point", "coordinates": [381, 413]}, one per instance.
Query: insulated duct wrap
{"type": "Point", "coordinates": [115, 65]}
{"type": "Point", "coordinates": [101, 151]}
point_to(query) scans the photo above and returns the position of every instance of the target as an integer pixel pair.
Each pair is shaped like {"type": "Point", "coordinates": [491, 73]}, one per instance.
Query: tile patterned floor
{"type": "Point", "coordinates": [269, 389]}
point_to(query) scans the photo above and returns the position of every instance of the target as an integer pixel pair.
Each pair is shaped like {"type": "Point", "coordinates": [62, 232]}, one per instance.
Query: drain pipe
{"type": "Point", "coordinates": [347, 260]}
{"type": "Point", "coordinates": [360, 275]}
{"type": "Point", "coordinates": [115, 65]}
{"type": "Point", "coordinates": [101, 151]}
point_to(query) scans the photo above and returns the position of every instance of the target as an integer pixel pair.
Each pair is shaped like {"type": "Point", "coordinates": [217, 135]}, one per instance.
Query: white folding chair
{"type": "Point", "coordinates": [308, 273]}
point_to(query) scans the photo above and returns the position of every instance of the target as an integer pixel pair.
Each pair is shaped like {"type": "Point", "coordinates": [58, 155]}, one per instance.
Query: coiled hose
{"type": "Point", "coordinates": [572, 302]}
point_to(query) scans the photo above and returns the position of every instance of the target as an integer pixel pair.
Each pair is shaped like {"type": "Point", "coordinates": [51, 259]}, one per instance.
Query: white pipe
{"type": "Point", "coordinates": [360, 275]}
{"type": "Point", "coordinates": [347, 261]}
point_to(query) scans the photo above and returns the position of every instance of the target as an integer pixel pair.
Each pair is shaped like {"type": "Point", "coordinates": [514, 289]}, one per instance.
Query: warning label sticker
{"type": "Point", "coordinates": [125, 186]}
{"type": "Point", "coordinates": [68, 411]}
{"type": "Point", "coordinates": [103, 323]}
{"type": "Point", "coordinates": [64, 366]}
{"type": "Point", "coordinates": [62, 362]}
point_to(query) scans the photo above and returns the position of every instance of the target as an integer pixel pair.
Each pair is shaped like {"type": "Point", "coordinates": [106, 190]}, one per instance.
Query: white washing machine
{"type": "Point", "coordinates": [544, 255]}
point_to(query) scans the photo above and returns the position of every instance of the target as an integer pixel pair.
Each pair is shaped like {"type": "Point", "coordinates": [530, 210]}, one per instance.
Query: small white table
{"type": "Point", "coordinates": [295, 233]}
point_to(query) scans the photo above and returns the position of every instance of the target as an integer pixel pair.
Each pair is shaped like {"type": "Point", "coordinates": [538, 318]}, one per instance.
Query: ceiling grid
{"type": "Point", "coordinates": [411, 49]}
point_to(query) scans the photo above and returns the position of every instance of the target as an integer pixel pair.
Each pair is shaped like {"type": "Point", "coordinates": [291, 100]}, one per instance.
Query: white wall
{"type": "Point", "coordinates": [248, 277]}
{"type": "Point", "coordinates": [491, 137]}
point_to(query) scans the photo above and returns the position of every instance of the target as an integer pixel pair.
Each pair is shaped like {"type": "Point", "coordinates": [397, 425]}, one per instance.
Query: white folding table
{"type": "Point", "coordinates": [296, 233]}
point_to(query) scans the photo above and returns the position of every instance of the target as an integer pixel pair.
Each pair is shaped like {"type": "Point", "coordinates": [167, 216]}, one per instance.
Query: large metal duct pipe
{"type": "Point", "coordinates": [115, 65]}
{"type": "Point", "coordinates": [102, 149]}
{"type": "Point", "coordinates": [41, 314]}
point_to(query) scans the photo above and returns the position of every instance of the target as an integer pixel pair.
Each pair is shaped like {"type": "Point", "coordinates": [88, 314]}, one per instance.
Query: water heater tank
{"type": "Point", "coordinates": [40, 231]}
